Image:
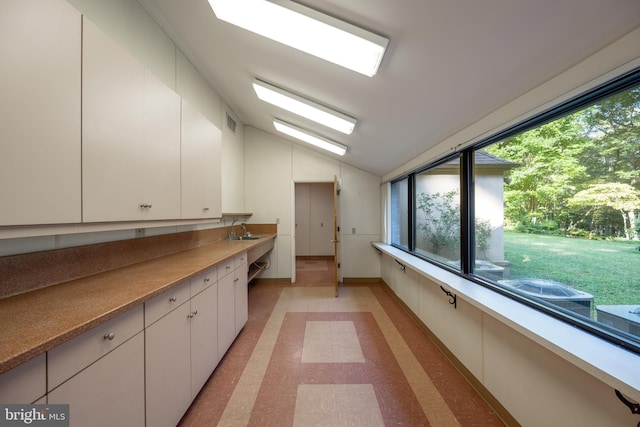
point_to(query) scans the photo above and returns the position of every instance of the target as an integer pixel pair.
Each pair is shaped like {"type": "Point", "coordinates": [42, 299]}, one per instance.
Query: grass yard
{"type": "Point", "coordinates": [609, 270]}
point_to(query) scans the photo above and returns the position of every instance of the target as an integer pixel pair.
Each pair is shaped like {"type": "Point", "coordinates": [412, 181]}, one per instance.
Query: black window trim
{"type": "Point", "coordinates": [467, 232]}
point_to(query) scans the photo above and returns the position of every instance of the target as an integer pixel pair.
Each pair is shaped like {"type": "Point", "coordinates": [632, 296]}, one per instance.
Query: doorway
{"type": "Point", "coordinates": [314, 248]}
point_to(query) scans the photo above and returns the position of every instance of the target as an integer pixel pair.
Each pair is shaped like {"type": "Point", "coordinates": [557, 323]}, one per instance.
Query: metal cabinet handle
{"type": "Point", "coordinates": [205, 209]}
{"type": "Point", "coordinates": [236, 279]}
{"type": "Point", "coordinates": [145, 206]}
{"type": "Point", "coordinates": [173, 299]}
{"type": "Point", "coordinates": [206, 279]}
{"type": "Point", "coordinates": [110, 336]}
{"type": "Point", "coordinates": [193, 313]}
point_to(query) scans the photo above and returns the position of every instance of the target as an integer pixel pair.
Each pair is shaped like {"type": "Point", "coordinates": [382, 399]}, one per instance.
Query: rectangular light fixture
{"type": "Point", "coordinates": [310, 138]}
{"type": "Point", "coordinates": [304, 107]}
{"type": "Point", "coordinates": [307, 30]}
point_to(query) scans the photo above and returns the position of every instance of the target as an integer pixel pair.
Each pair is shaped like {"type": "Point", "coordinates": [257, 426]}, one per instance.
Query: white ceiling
{"type": "Point", "coordinates": [449, 63]}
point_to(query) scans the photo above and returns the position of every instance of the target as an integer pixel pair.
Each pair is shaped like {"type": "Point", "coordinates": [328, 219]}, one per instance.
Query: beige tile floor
{"type": "Point", "coordinates": [306, 358]}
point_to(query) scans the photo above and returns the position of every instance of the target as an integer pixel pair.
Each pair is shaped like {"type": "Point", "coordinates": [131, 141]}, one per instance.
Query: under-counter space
{"type": "Point", "coordinates": [35, 322]}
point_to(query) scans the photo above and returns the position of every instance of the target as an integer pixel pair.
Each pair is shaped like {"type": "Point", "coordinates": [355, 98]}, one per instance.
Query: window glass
{"type": "Point", "coordinates": [437, 213]}
{"type": "Point", "coordinates": [400, 213]}
{"type": "Point", "coordinates": [556, 213]}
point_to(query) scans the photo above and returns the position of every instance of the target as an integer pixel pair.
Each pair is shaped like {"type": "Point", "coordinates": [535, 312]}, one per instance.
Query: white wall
{"type": "Point", "coordinates": [274, 164]}
{"type": "Point", "coordinates": [618, 58]}
{"type": "Point", "coordinates": [533, 384]}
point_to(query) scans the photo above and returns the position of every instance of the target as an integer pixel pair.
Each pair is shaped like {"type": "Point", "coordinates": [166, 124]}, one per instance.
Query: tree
{"type": "Point", "coordinates": [440, 223]}
{"type": "Point", "coordinates": [613, 126]}
{"type": "Point", "coordinates": [549, 172]}
{"type": "Point", "coordinates": [622, 197]}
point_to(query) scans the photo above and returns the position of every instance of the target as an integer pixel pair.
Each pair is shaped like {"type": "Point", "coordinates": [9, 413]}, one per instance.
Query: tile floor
{"type": "Point", "coordinates": [306, 358]}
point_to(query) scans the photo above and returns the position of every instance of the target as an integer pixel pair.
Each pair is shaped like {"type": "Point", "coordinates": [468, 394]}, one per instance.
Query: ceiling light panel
{"type": "Point", "coordinates": [309, 138]}
{"type": "Point", "coordinates": [304, 107]}
{"type": "Point", "coordinates": [307, 30]}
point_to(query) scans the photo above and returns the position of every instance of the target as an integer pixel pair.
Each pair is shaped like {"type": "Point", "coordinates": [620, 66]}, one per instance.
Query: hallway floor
{"type": "Point", "coordinates": [305, 358]}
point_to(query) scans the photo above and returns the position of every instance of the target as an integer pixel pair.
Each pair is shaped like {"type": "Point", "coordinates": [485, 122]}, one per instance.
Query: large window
{"type": "Point", "coordinates": [400, 213]}
{"type": "Point", "coordinates": [547, 212]}
{"type": "Point", "coordinates": [437, 212]}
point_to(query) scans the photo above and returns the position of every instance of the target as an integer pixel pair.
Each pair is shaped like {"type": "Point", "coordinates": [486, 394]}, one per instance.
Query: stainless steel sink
{"type": "Point", "coordinates": [246, 238]}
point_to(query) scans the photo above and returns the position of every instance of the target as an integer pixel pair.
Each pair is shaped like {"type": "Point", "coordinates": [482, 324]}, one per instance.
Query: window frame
{"type": "Point", "coordinates": [467, 205]}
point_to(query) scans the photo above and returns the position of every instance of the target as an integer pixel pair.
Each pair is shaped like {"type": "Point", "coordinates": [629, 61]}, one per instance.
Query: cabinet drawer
{"type": "Point", "coordinates": [25, 383]}
{"type": "Point", "coordinates": [240, 259]}
{"type": "Point", "coordinates": [203, 281]}
{"type": "Point", "coordinates": [226, 267]}
{"type": "Point", "coordinates": [71, 357]}
{"type": "Point", "coordinates": [108, 393]}
{"type": "Point", "coordinates": [164, 303]}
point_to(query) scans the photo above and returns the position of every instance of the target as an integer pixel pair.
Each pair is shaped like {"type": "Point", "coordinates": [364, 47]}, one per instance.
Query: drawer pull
{"type": "Point", "coordinates": [110, 336]}
{"type": "Point", "coordinates": [173, 299]}
{"type": "Point", "coordinates": [228, 267]}
{"type": "Point", "coordinates": [207, 279]}
{"type": "Point", "coordinates": [193, 313]}
{"type": "Point", "coordinates": [236, 279]}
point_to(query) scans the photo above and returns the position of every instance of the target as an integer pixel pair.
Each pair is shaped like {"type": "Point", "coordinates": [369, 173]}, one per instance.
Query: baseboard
{"type": "Point", "coordinates": [272, 281]}
{"type": "Point", "coordinates": [362, 280]}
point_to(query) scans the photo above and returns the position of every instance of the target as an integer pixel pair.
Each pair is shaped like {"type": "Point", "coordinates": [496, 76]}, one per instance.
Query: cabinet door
{"type": "Point", "coordinates": [241, 295]}
{"type": "Point", "coordinates": [161, 161]}
{"type": "Point", "coordinates": [226, 313]}
{"type": "Point", "coordinates": [40, 178]}
{"type": "Point", "coordinates": [168, 371]}
{"type": "Point", "coordinates": [109, 392]}
{"type": "Point", "coordinates": [204, 337]}
{"type": "Point", "coordinates": [74, 355]}
{"type": "Point", "coordinates": [112, 130]}
{"type": "Point", "coordinates": [201, 165]}
{"type": "Point", "coordinates": [25, 383]}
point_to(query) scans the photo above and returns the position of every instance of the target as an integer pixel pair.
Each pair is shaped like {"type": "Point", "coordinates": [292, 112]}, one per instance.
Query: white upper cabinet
{"type": "Point", "coordinates": [161, 150]}
{"type": "Point", "coordinates": [112, 129]}
{"type": "Point", "coordinates": [201, 165]}
{"type": "Point", "coordinates": [130, 136]}
{"type": "Point", "coordinates": [40, 112]}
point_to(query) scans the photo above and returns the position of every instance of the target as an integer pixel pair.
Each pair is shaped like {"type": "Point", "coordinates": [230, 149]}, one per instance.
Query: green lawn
{"type": "Point", "coordinates": [609, 270]}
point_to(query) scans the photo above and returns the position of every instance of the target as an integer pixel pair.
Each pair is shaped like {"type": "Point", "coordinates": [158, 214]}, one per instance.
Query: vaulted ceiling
{"type": "Point", "coordinates": [449, 63]}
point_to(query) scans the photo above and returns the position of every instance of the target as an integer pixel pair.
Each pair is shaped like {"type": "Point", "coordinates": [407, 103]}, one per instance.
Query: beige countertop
{"type": "Point", "coordinates": [35, 322]}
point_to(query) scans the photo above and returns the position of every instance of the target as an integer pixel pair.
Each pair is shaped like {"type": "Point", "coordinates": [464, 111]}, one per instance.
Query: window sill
{"type": "Point", "coordinates": [603, 360]}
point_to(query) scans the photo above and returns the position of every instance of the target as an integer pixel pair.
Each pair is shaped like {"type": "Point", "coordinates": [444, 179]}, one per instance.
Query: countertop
{"type": "Point", "coordinates": [35, 322]}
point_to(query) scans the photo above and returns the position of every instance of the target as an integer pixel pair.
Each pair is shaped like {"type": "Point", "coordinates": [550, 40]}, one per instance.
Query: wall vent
{"type": "Point", "coordinates": [231, 124]}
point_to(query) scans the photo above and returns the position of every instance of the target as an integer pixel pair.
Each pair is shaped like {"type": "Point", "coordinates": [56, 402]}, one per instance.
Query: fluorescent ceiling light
{"type": "Point", "coordinates": [312, 139]}
{"type": "Point", "coordinates": [304, 107]}
{"type": "Point", "coordinates": [308, 30]}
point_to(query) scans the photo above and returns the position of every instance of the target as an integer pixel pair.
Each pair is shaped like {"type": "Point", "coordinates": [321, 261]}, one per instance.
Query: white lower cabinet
{"type": "Point", "coordinates": [168, 367]}
{"type": "Point", "coordinates": [181, 348]}
{"type": "Point", "coordinates": [241, 293]}
{"type": "Point", "coordinates": [233, 307]}
{"type": "Point", "coordinates": [109, 392]}
{"type": "Point", "coordinates": [204, 337]}
{"type": "Point", "coordinates": [145, 366]}
{"type": "Point", "coordinates": [25, 384]}
{"type": "Point", "coordinates": [226, 313]}
{"type": "Point", "coordinates": [104, 364]}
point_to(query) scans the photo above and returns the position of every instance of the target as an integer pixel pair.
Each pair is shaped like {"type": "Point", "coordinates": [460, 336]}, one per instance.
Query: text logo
{"type": "Point", "coordinates": [34, 415]}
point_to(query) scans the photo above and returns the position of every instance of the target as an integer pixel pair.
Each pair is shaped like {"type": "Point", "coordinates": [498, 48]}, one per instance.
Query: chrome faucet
{"type": "Point", "coordinates": [244, 230]}
{"type": "Point", "coordinates": [232, 234]}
